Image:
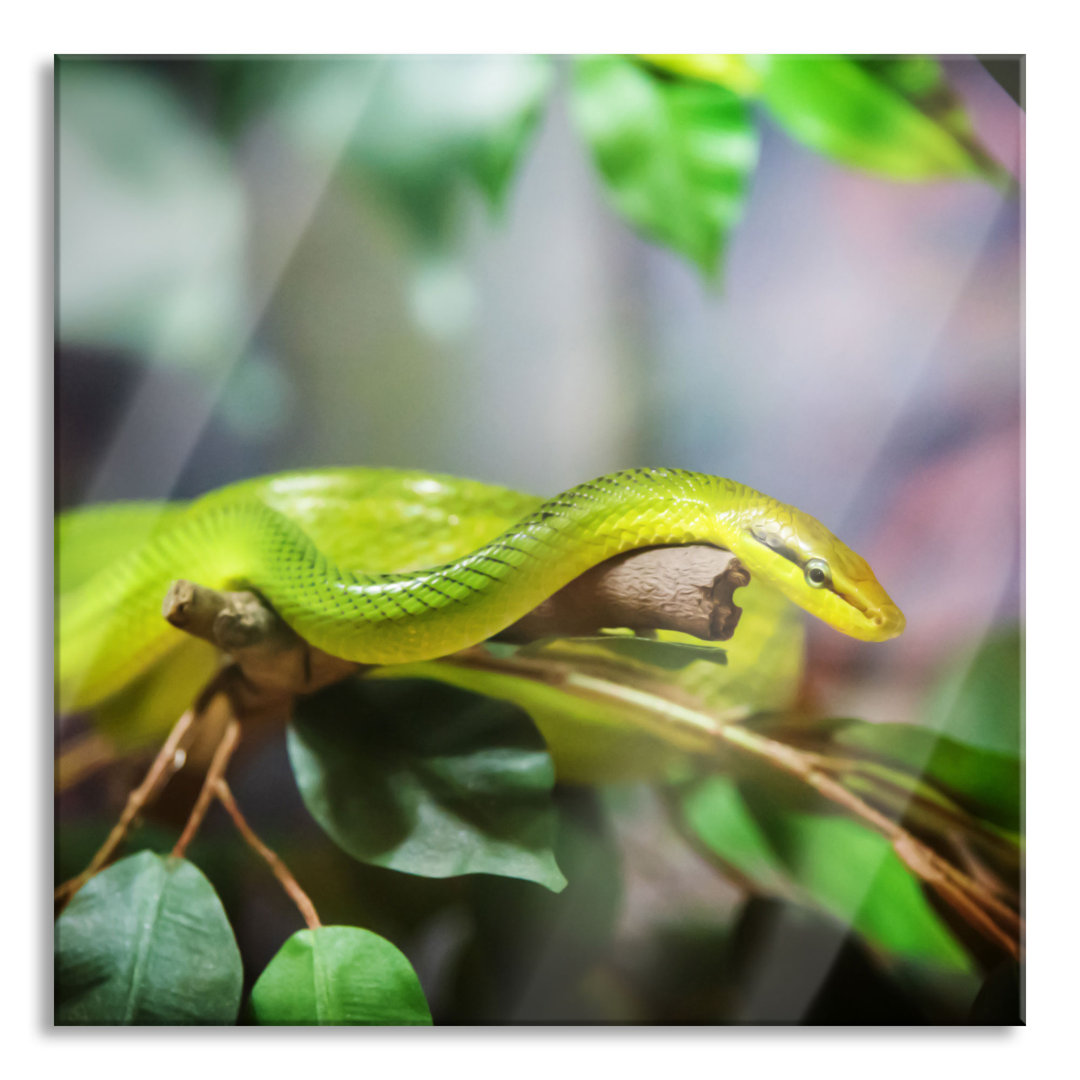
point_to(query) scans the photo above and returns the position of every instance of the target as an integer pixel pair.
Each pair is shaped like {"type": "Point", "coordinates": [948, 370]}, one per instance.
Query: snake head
{"type": "Point", "coordinates": [797, 554]}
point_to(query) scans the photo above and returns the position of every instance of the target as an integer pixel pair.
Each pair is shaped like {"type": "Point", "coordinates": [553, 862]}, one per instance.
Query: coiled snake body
{"type": "Point", "coordinates": [348, 558]}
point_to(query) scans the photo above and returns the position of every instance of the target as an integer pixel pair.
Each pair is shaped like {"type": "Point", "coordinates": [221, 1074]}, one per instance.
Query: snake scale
{"type": "Point", "coordinates": [391, 566]}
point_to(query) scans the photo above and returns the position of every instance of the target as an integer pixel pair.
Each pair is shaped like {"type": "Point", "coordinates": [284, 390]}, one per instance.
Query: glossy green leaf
{"type": "Point", "coordinates": [980, 698]}
{"type": "Point", "coordinates": [675, 156]}
{"type": "Point", "coordinates": [427, 779]}
{"type": "Point", "coordinates": [834, 862]}
{"type": "Point", "coordinates": [146, 942]}
{"type": "Point", "coordinates": [895, 116]}
{"type": "Point", "coordinates": [339, 975]}
{"type": "Point", "coordinates": [421, 126]}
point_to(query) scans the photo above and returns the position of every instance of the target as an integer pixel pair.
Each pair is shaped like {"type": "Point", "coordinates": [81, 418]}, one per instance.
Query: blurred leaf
{"type": "Point", "coordinates": [641, 653]}
{"type": "Point", "coordinates": [675, 156]}
{"type": "Point", "coordinates": [427, 779]}
{"type": "Point", "coordinates": [423, 126]}
{"type": "Point", "coordinates": [833, 861]}
{"type": "Point", "coordinates": [980, 699]}
{"type": "Point", "coordinates": [730, 70]}
{"type": "Point", "coordinates": [88, 538]}
{"type": "Point", "coordinates": [606, 711]}
{"type": "Point", "coordinates": [151, 220]}
{"type": "Point", "coordinates": [891, 115]}
{"type": "Point", "coordinates": [983, 782]}
{"type": "Point", "coordinates": [146, 709]}
{"type": "Point", "coordinates": [339, 975]}
{"type": "Point", "coordinates": [717, 813]}
{"type": "Point", "coordinates": [146, 942]}
{"type": "Point", "coordinates": [590, 740]}
{"type": "Point", "coordinates": [764, 658]}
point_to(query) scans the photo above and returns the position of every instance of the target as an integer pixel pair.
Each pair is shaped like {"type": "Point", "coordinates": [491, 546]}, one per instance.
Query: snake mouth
{"type": "Point", "coordinates": [878, 618]}
{"type": "Point", "coordinates": [885, 622]}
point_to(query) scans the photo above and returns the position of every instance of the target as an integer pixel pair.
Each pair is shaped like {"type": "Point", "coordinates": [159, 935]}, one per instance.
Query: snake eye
{"type": "Point", "coordinates": [817, 573]}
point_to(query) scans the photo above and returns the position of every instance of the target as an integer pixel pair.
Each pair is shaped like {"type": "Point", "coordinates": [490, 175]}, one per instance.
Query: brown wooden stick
{"type": "Point", "coordinates": [169, 759]}
{"type": "Point", "coordinates": [225, 749]}
{"type": "Point", "coordinates": [273, 860]}
{"type": "Point", "coordinates": [687, 588]}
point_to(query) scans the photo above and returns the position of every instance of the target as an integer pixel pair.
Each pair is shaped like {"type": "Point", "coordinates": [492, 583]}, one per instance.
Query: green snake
{"type": "Point", "coordinates": [388, 566]}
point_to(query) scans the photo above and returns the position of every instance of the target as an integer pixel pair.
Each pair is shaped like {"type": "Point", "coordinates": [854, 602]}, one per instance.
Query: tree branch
{"type": "Point", "coordinates": [687, 588]}
{"type": "Point", "coordinates": [279, 869]}
{"type": "Point", "coordinates": [225, 749]}
{"type": "Point", "coordinates": [970, 898]}
{"type": "Point", "coordinates": [169, 759]}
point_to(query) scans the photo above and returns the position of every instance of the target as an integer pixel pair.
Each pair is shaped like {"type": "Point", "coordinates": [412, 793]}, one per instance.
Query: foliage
{"type": "Point", "coordinates": [338, 975]}
{"type": "Point", "coordinates": [437, 780]}
{"type": "Point", "coordinates": [674, 140]}
{"type": "Point", "coordinates": [895, 116]}
{"type": "Point", "coordinates": [428, 781]}
{"type": "Point", "coordinates": [675, 156]}
{"type": "Point", "coordinates": [422, 128]}
{"type": "Point", "coordinates": [147, 942]}
{"type": "Point", "coordinates": [824, 859]}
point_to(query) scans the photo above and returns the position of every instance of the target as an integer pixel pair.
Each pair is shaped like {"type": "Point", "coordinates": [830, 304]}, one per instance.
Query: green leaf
{"type": "Point", "coordinates": [339, 975]}
{"type": "Point", "coordinates": [422, 126]}
{"type": "Point", "coordinates": [145, 710]}
{"type": "Point", "coordinates": [590, 740]}
{"type": "Point", "coordinates": [675, 156]}
{"type": "Point", "coordinates": [831, 861]}
{"type": "Point", "coordinates": [718, 814]}
{"type": "Point", "coordinates": [731, 70]}
{"type": "Point", "coordinates": [585, 700]}
{"type": "Point", "coordinates": [895, 116]}
{"type": "Point", "coordinates": [425, 779]}
{"type": "Point", "coordinates": [980, 698]}
{"type": "Point", "coordinates": [146, 942]}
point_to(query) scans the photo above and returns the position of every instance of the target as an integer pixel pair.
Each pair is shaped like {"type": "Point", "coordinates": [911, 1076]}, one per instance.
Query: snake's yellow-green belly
{"type": "Point", "coordinates": [385, 566]}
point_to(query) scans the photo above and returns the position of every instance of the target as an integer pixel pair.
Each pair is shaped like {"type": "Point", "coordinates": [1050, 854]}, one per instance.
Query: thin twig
{"type": "Point", "coordinates": [935, 872]}
{"type": "Point", "coordinates": [169, 760]}
{"type": "Point", "coordinates": [277, 866]}
{"type": "Point", "coordinates": [970, 898]}
{"type": "Point", "coordinates": [218, 763]}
